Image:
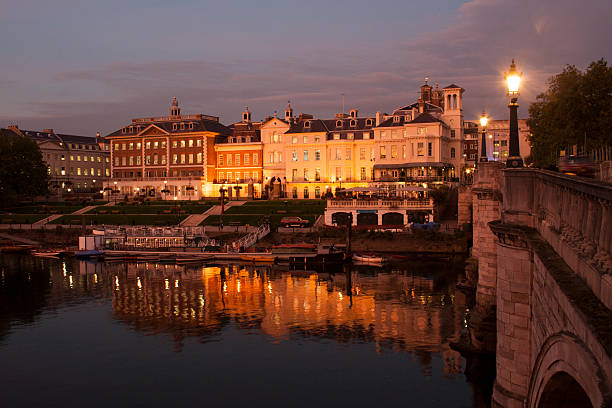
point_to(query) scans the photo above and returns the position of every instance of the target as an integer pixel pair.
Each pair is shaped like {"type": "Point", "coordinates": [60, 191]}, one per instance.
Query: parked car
{"type": "Point", "coordinates": [579, 165]}
{"type": "Point", "coordinates": [294, 222]}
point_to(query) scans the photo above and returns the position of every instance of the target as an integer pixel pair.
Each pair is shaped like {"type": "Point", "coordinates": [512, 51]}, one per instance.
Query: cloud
{"type": "Point", "coordinates": [473, 50]}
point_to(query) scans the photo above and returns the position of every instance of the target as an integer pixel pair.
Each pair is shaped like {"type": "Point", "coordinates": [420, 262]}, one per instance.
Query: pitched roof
{"type": "Point", "coordinates": [425, 118]}
{"type": "Point", "coordinates": [452, 86]}
{"type": "Point", "coordinates": [199, 125]}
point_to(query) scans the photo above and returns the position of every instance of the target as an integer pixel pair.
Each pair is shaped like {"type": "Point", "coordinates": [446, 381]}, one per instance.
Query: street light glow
{"type": "Point", "coordinates": [483, 120]}
{"type": "Point", "coordinates": [513, 80]}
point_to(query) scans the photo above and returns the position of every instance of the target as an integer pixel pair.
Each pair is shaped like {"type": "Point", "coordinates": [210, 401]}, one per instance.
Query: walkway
{"type": "Point", "coordinates": [19, 239]}
{"type": "Point", "coordinates": [54, 217]}
{"type": "Point", "coordinates": [196, 219]}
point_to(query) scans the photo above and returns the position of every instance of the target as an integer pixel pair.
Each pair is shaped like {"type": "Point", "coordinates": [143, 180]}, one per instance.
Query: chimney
{"type": "Point", "coordinates": [97, 137]}
{"type": "Point", "coordinates": [378, 116]}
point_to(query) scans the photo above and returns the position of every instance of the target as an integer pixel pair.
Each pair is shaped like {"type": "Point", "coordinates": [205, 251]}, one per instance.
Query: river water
{"type": "Point", "coordinates": [76, 333]}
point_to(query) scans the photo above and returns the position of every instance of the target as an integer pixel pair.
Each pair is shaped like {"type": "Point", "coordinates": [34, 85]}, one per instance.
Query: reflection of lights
{"type": "Point", "coordinates": [238, 286]}
{"type": "Point", "coordinates": [269, 288]}
{"type": "Point", "coordinates": [225, 287]}
{"type": "Point", "coordinates": [95, 277]}
{"type": "Point", "coordinates": [176, 283]}
{"type": "Point", "coordinates": [70, 280]}
{"type": "Point", "coordinates": [64, 268]}
{"type": "Point", "coordinates": [340, 295]}
{"type": "Point", "coordinates": [166, 284]}
{"type": "Point", "coordinates": [202, 300]}
{"type": "Point", "coordinates": [139, 284]}
{"type": "Point", "coordinates": [117, 282]}
{"type": "Point", "coordinates": [357, 290]}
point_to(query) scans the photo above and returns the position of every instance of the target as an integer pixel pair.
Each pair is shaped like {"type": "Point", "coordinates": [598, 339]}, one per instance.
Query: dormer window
{"type": "Point", "coordinates": [338, 123]}
{"type": "Point", "coordinates": [353, 123]}
{"type": "Point", "coordinates": [174, 126]}
{"type": "Point", "coordinates": [191, 125]}
{"type": "Point", "coordinates": [231, 140]}
{"type": "Point", "coordinates": [396, 119]}
{"type": "Point", "coordinates": [407, 118]}
{"type": "Point", "coordinates": [368, 122]}
{"type": "Point", "coordinates": [307, 124]}
{"type": "Point", "coordinates": [182, 126]}
{"type": "Point", "coordinates": [248, 139]}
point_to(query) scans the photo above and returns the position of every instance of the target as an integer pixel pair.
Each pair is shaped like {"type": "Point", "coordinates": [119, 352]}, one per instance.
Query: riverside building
{"type": "Point", "coordinates": [169, 157]}
{"type": "Point", "coordinates": [75, 164]}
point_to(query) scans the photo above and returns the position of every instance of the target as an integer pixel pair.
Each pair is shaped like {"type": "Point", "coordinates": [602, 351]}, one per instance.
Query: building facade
{"type": "Point", "coordinates": [240, 160]}
{"type": "Point", "coordinates": [74, 163]}
{"type": "Point", "coordinates": [498, 138]}
{"type": "Point", "coordinates": [168, 156]}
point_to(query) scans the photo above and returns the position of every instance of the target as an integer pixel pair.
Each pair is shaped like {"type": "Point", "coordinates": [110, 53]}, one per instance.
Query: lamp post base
{"type": "Point", "coordinates": [514, 162]}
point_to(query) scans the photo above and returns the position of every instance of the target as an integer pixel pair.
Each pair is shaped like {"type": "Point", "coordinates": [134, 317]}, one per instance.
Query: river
{"type": "Point", "coordinates": [76, 333]}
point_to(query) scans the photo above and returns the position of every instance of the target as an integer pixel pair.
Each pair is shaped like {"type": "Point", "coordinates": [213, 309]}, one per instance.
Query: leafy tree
{"type": "Point", "coordinates": [575, 110]}
{"type": "Point", "coordinates": [23, 174]}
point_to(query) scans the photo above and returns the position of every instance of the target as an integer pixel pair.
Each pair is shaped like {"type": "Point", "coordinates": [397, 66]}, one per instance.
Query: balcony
{"type": "Point", "coordinates": [382, 204]}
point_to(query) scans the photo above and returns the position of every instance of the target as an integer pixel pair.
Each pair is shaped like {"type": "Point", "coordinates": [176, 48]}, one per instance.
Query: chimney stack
{"type": "Point", "coordinates": [378, 117]}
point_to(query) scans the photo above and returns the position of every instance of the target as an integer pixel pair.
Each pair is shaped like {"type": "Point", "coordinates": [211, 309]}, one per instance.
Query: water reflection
{"type": "Point", "coordinates": [414, 310]}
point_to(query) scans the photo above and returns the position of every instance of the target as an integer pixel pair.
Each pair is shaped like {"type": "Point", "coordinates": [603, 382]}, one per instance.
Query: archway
{"type": "Point", "coordinates": [393, 218]}
{"type": "Point", "coordinates": [562, 391]}
{"type": "Point", "coordinates": [340, 218]}
{"type": "Point", "coordinates": [367, 219]}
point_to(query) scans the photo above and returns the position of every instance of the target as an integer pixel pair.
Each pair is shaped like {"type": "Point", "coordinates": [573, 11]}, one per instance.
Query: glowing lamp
{"type": "Point", "coordinates": [483, 120]}
{"type": "Point", "coordinates": [513, 80]}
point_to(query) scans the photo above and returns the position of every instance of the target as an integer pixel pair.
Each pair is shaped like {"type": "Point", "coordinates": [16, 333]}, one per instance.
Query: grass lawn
{"type": "Point", "coordinates": [251, 219]}
{"type": "Point", "coordinates": [193, 208]}
{"type": "Point", "coordinates": [21, 218]}
{"type": "Point", "coordinates": [44, 209]}
{"type": "Point", "coordinates": [121, 219]}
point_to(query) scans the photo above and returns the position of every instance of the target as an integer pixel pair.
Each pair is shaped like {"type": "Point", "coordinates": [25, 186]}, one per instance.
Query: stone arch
{"type": "Point", "coordinates": [367, 219]}
{"type": "Point", "coordinates": [393, 218]}
{"type": "Point", "coordinates": [340, 218]}
{"type": "Point", "coordinates": [562, 360]}
{"type": "Point", "coordinates": [562, 391]}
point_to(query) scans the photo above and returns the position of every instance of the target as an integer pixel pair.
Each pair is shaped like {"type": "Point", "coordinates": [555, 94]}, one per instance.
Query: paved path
{"type": "Point", "coordinates": [19, 239]}
{"type": "Point", "coordinates": [196, 219]}
{"type": "Point", "coordinates": [54, 217]}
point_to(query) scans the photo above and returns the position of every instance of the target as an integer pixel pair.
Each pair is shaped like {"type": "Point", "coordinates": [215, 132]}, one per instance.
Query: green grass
{"type": "Point", "coordinates": [21, 218]}
{"type": "Point", "coordinates": [151, 209]}
{"type": "Point", "coordinates": [121, 219]}
{"type": "Point", "coordinates": [251, 219]}
{"type": "Point", "coordinates": [35, 209]}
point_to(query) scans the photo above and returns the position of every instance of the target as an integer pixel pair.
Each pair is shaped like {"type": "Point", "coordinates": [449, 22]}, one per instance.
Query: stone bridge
{"type": "Point", "coordinates": [543, 246]}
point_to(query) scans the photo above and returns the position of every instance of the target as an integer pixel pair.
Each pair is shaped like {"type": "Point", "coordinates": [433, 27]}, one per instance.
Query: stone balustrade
{"type": "Point", "coordinates": [381, 204]}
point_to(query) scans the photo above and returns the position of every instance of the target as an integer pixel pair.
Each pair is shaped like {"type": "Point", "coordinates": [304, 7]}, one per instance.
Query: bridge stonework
{"type": "Point", "coordinates": [553, 289]}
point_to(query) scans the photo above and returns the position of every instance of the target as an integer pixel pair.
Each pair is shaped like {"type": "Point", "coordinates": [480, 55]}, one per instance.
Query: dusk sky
{"type": "Point", "coordinates": [82, 66]}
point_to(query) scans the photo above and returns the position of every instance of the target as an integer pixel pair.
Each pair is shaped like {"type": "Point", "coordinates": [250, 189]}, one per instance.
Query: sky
{"type": "Point", "coordinates": [82, 66]}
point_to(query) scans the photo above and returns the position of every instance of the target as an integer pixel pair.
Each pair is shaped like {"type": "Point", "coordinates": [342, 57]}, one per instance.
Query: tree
{"type": "Point", "coordinates": [575, 110]}
{"type": "Point", "coordinates": [23, 174]}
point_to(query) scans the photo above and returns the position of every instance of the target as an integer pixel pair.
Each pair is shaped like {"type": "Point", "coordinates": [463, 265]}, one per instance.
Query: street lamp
{"type": "Point", "coordinates": [483, 149]}
{"type": "Point", "coordinates": [513, 80]}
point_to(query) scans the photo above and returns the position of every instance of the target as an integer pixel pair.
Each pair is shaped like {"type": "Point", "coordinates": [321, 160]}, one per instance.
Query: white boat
{"type": "Point", "coordinates": [368, 259]}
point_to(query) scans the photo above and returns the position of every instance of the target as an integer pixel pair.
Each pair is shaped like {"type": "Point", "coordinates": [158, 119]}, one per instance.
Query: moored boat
{"type": "Point", "coordinates": [368, 259]}
{"type": "Point", "coordinates": [92, 253]}
{"type": "Point", "coordinates": [46, 254]}
{"type": "Point", "coordinates": [258, 258]}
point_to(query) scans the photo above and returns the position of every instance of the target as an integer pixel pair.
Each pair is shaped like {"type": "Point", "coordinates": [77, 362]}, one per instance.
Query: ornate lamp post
{"type": "Point", "coordinates": [513, 80]}
{"type": "Point", "coordinates": [483, 149]}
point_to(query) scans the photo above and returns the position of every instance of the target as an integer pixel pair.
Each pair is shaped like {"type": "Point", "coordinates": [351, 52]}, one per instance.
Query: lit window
{"type": "Point", "coordinates": [383, 152]}
{"type": "Point", "coordinates": [318, 154]}
{"type": "Point", "coordinates": [294, 155]}
{"type": "Point", "coordinates": [305, 155]}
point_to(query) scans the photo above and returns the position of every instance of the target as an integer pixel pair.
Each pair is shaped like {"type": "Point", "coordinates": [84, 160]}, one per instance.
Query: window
{"type": "Point", "coordinates": [220, 160]}
{"type": "Point", "coordinates": [420, 149]}
{"type": "Point", "coordinates": [306, 193]}
{"type": "Point", "coordinates": [247, 159]}
{"type": "Point", "coordinates": [396, 119]}
{"type": "Point", "coordinates": [131, 160]}
{"type": "Point", "coordinates": [271, 157]}
{"type": "Point", "coordinates": [307, 124]}
{"type": "Point", "coordinates": [353, 123]}
{"type": "Point", "coordinates": [317, 192]}
{"type": "Point", "coordinates": [237, 159]}
{"type": "Point", "coordinates": [190, 142]}
{"type": "Point", "coordinates": [78, 157]}
{"type": "Point", "coordinates": [318, 154]}
{"type": "Point", "coordinates": [174, 158]}
{"type": "Point", "coordinates": [99, 159]}
{"type": "Point", "coordinates": [362, 153]}
{"type": "Point", "coordinates": [338, 123]}
{"type": "Point", "coordinates": [191, 157]}
{"type": "Point", "coordinates": [148, 159]}
{"type": "Point", "coordinates": [383, 152]}
{"type": "Point", "coordinates": [229, 159]}
{"type": "Point", "coordinates": [348, 153]}
{"type": "Point", "coordinates": [336, 136]}
{"type": "Point", "coordinates": [174, 143]}
{"type": "Point", "coordinates": [138, 160]}
{"type": "Point", "coordinates": [362, 173]}
{"type": "Point", "coordinates": [305, 155]}
{"type": "Point", "coordinates": [394, 152]}
{"type": "Point", "coordinates": [294, 192]}
{"type": "Point", "coordinates": [338, 173]}
{"type": "Point", "coordinates": [350, 136]}
{"type": "Point", "coordinates": [368, 122]}
{"type": "Point", "coordinates": [163, 159]}
{"type": "Point", "coordinates": [148, 145]}
{"type": "Point", "coordinates": [131, 146]}
{"type": "Point", "coordinates": [183, 158]}
{"type": "Point", "coordinates": [294, 155]}
{"type": "Point", "coordinates": [293, 174]}
{"type": "Point", "coordinates": [338, 154]}
{"type": "Point", "coordinates": [174, 126]}
{"type": "Point", "coordinates": [123, 160]}
{"type": "Point", "coordinates": [366, 135]}
{"type": "Point", "coordinates": [452, 133]}
{"type": "Point", "coordinates": [452, 152]}
{"type": "Point", "coordinates": [317, 139]}
{"type": "Point", "coordinates": [294, 139]}
{"type": "Point", "coordinates": [163, 145]}
{"type": "Point", "coordinates": [255, 158]}
{"type": "Point", "coordinates": [305, 139]}
{"type": "Point", "coordinates": [421, 130]}
{"type": "Point", "coordinates": [116, 161]}
{"type": "Point", "coordinates": [183, 143]}
{"type": "Point", "coordinates": [305, 174]}
{"type": "Point", "coordinates": [430, 149]}
{"type": "Point", "coordinates": [317, 174]}
{"type": "Point", "coordinates": [504, 143]}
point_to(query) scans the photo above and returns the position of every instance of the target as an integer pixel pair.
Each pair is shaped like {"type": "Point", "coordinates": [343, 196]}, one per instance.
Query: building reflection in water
{"type": "Point", "coordinates": [396, 310]}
